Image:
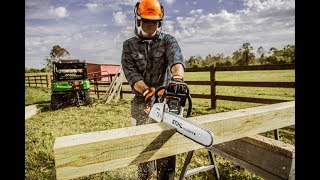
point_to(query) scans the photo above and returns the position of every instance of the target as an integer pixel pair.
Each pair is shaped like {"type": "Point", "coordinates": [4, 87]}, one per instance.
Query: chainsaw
{"type": "Point", "coordinates": [168, 107]}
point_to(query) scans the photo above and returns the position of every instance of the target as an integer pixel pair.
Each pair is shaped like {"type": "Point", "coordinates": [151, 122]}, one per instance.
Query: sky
{"type": "Point", "coordinates": [94, 30]}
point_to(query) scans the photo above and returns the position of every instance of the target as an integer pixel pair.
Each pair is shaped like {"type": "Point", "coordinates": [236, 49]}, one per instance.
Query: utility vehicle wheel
{"type": "Point", "coordinates": [56, 102]}
{"type": "Point", "coordinates": [87, 98]}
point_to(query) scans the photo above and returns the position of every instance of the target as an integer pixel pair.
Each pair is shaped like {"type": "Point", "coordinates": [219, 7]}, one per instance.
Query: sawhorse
{"type": "Point", "coordinates": [212, 165]}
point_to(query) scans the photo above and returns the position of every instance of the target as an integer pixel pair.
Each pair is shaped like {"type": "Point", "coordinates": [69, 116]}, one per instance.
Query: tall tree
{"type": "Point", "coordinates": [247, 56]}
{"type": "Point", "coordinates": [236, 56]}
{"type": "Point", "coordinates": [261, 53]}
{"type": "Point", "coordinates": [47, 63]}
{"type": "Point", "coordinates": [57, 52]}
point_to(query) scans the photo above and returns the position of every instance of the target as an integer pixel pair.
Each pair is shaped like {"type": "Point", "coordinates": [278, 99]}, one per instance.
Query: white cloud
{"type": "Point", "coordinates": [116, 5]}
{"type": "Point", "coordinates": [119, 18]}
{"type": "Point", "coordinates": [85, 42]}
{"type": "Point", "coordinates": [176, 11]}
{"type": "Point", "coordinates": [168, 26]}
{"type": "Point", "coordinates": [92, 7]}
{"type": "Point", "coordinates": [262, 23]}
{"type": "Point", "coordinates": [185, 22]}
{"type": "Point", "coordinates": [37, 9]}
{"type": "Point", "coordinates": [197, 11]}
{"type": "Point", "coordinates": [170, 1]}
{"type": "Point", "coordinates": [77, 36]}
{"type": "Point", "coordinates": [59, 12]}
{"type": "Point", "coordinates": [125, 33]}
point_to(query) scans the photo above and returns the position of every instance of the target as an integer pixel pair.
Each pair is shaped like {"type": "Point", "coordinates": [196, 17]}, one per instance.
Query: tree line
{"type": "Point", "coordinates": [244, 56]}
{"type": "Point", "coordinates": [241, 57]}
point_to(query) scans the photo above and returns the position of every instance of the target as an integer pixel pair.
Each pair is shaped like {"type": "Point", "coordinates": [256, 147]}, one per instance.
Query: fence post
{"type": "Point", "coordinates": [95, 83]}
{"type": "Point", "coordinates": [48, 78]}
{"type": "Point", "coordinates": [213, 87]}
{"type": "Point", "coordinates": [110, 77]}
{"type": "Point", "coordinates": [41, 80]}
{"type": "Point", "coordinates": [35, 80]}
{"type": "Point", "coordinates": [28, 81]}
{"type": "Point", "coordinates": [121, 93]}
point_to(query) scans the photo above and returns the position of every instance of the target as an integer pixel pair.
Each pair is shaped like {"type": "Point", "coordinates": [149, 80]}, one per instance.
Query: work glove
{"type": "Point", "coordinates": [148, 93]}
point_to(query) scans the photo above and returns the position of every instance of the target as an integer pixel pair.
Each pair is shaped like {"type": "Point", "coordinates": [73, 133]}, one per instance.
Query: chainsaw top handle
{"type": "Point", "coordinates": [176, 89]}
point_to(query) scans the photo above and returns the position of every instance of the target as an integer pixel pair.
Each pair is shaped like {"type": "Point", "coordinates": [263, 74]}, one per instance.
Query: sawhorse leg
{"type": "Point", "coordinates": [213, 166]}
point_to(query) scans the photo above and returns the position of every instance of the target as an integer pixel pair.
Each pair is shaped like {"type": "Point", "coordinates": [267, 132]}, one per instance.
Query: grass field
{"type": "Point", "coordinates": [37, 95]}
{"type": "Point", "coordinates": [42, 129]}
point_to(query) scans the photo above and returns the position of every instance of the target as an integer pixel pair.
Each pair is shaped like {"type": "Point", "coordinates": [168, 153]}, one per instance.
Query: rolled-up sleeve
{"type": "Point", "coordinates": [173, 52]}
{"type": "Point", "coordinates": [129, 66]}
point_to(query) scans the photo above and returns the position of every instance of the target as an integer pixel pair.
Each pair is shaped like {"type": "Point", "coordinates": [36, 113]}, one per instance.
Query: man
{"type": "Point", "coordinates": [149, 60]}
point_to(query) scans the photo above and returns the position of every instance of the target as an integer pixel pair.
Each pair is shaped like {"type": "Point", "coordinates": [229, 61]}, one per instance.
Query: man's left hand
{"type": "Point", "coordinates": [147, 97]}
{"type": "Point", "coordinates": [177, 78]}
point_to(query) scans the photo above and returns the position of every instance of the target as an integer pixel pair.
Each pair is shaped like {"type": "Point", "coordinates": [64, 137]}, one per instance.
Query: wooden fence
{"type": "Point", "coordinates": [38, 80]}
{"type": "Point", "coordinates": [212, 83]}
{"type": "Point", "coordinates": [96, 82]}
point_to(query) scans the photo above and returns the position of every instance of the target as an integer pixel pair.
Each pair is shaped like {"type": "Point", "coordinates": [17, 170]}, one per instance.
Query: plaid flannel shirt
{"type": "Point", "coordinates": [149, 62]}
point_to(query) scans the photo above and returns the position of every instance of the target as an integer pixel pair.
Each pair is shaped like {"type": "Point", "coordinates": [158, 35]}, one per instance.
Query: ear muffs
{"type": "Point", "coordinates": [162, 9]}
{"type": "Point", "coordinates": [135, 14]}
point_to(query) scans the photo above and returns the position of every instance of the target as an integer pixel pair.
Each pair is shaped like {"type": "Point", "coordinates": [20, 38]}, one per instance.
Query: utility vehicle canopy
{"type": "Point", "coordinates": [69, 70]}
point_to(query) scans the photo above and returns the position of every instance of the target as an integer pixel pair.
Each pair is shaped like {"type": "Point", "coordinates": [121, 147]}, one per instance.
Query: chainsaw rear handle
{"type": "Point", "coordinates": [157, 90]}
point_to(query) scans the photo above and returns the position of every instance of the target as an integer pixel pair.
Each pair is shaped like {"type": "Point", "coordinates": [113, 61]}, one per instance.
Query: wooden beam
{"type": "Point", "coordinates": [94, 152]}
{"type": "Point", "coordinates": [265, 157]}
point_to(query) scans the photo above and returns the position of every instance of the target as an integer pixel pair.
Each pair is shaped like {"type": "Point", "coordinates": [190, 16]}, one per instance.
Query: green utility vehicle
{"type": "Point", "coordinates": [70, 84]}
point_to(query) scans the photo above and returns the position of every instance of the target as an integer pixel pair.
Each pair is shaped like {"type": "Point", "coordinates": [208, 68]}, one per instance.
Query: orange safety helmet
{"type": "Point", "coordinates": [150, 9]}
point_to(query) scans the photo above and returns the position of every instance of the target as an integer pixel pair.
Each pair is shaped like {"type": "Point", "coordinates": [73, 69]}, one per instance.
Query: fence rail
{"type": "Point", "coordinates": [256, 84]}
{"type": "Point", "coordinates": [213, 83]}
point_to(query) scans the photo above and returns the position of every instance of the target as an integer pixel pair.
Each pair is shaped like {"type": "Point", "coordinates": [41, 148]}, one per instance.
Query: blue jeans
{"type": "Point", "coordinates": [166, 166]}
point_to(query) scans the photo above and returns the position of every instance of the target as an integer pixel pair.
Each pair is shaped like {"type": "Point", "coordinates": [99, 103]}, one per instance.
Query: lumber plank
{"type": "Point", "coordinates": [266, 157]}
{"type": "Point", "coordinates": [89, 153]}
{"type": "Point", "coordinates": [115, 87]}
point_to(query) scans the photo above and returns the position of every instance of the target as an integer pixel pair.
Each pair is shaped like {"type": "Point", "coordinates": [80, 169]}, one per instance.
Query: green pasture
{"type": "Point", "coordinates": [42, 129]}
{"type": "Point", "coordinates": [37, 95]}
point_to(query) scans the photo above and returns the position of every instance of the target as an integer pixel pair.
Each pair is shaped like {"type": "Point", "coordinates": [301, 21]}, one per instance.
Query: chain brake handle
{"type": "Point", "coordinates": [175, 89]}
